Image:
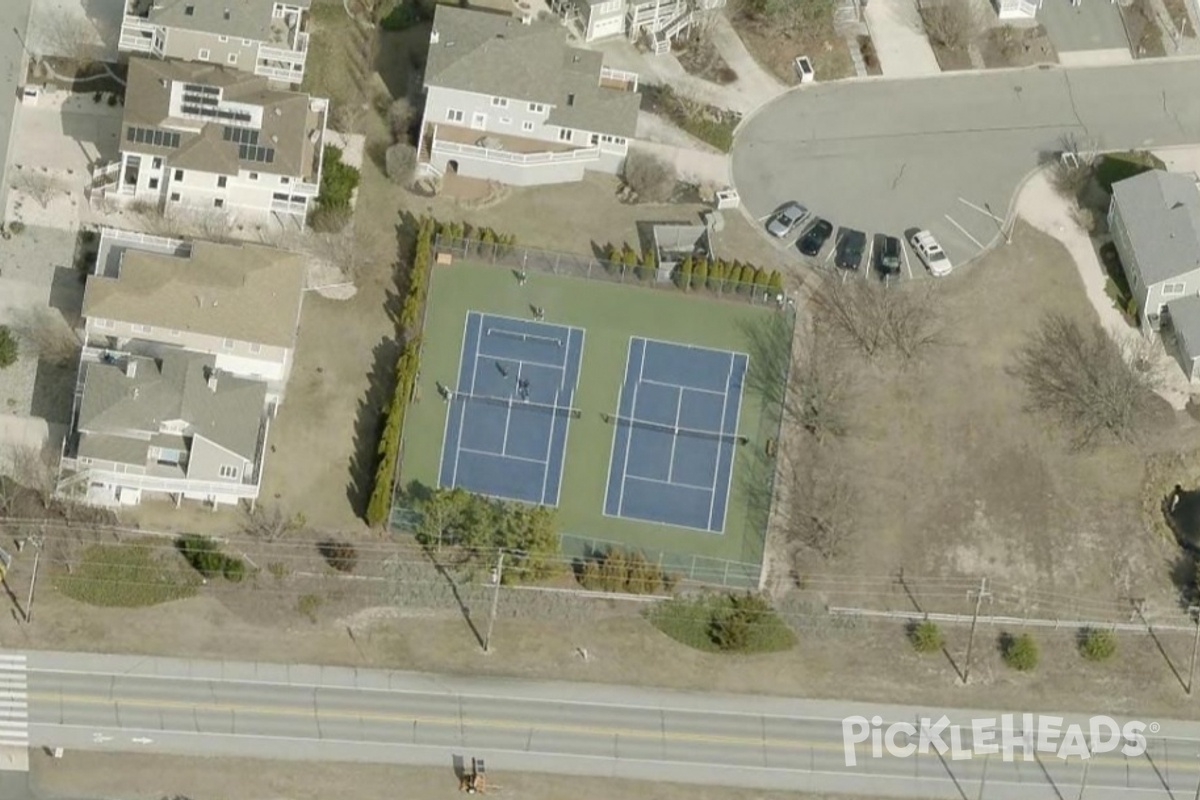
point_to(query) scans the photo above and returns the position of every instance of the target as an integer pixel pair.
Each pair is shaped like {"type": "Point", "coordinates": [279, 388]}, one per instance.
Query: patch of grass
{"type": "Point", "coordinates": [707, 123]}
{"type": "Point", "coordinates": [309, 605]}
{"type": "Point", "coordinates": [1116, 167]}
{"type": "Point", "coordinates": [128, 576]}
{"type": "Point", "coordinates": [704, 623]}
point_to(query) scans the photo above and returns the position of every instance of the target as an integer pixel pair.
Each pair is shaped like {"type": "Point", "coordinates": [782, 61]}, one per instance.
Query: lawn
{"type": "Point", "coordinates": [610, 313]}
{"type": "Point", "coordinates": [127, 575]}
{"type": "Point", "coordinates": [691, 622]}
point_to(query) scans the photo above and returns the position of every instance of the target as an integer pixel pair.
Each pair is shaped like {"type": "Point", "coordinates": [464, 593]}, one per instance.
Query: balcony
{"type": "Point", "coordinates": [502, 146]}
{"type": "Point", "coordinates": [618, 79]}
{"type": "Point", "coordinates": [523, 159]}
{"type": "Point", "coordinates": [138, 36]}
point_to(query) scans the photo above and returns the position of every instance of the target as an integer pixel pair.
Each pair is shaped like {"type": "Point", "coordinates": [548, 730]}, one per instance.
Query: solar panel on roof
{"type": "Point", "coordinates": [154, 136]}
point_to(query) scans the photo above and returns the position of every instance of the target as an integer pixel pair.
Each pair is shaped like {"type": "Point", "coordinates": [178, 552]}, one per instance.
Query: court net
{"type": "Point", "coordinates": [675, 430]}
{"type": "Point", "coordinates": [523, 337]}
{"type": "Point", "coordinates": [517, 402]}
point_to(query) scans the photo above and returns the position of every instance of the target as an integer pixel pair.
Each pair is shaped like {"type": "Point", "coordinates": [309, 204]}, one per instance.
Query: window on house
{"type": "Point", "coordinates": [142, 328]}
{"type": "Point", "coordinates": [537, 108]}
{"type": "Point", "coordinates": [204, 54]}
{"type": "Point", "coordinates": [105, 323]}
{"type": "Point", "coordinates": [227, 344]}
{"type": "Point", "coordinates": [570, 99]}
{"type": "Point", "coordinates": [227, 15]}
{"type": "Point", "coordinates": [527, 126]}
{"type": "Point", "coordinates": [153, 184]}
{"type": "Point", "coordinates": [228, 471]}
{"type": "Point", "coordinates": [156, 164]}
{"type": "Point", "coordinates": [255, 347]}
{"type": "Point", "coordinates": [178, 174]}
{"type": "Point", "coordinates": [506, 120]}
{"type": "Point", "coordinates": [173, 332]}
{"type": "Point", "coordinates": [246, 42]}
{"type": "Point", "coordinates": [174, 197]}
{"type": "Point", "coordinates": [565, 134]}
{"type": "Point", "coordinates": [1174, 288]}
{"type": "Point", "coordinates": [454, 115]}
{"type": "Point", "coordinates": [231, 58]}
{"type": "Point", "coordinates": [595, 138]}
{"type": "Point", "coordinates": [189, 10]}
{"type": "Point", "coordinates": [500, 102]}
{"type": "Point", "coordinates": [284, 179]}
{"type": "Point", "coordinates": [223, 39]}
{"type": "Point", "coordinates": [219, 202]}
{"type": "Point", "coordinates": [253, 176]}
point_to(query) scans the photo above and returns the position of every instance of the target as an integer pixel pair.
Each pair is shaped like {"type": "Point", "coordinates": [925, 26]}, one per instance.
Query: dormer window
{"type": "Point", "coordinates": [189, 11]}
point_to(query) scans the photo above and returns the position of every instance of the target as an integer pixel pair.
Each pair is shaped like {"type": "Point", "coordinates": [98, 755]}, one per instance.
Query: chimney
{"type": "Point", "coordinates": [130, 368]}
{"type": "Point", "coordinates": [211, 381]}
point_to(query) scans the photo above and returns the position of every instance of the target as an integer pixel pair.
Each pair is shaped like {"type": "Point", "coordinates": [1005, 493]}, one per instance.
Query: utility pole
{"type": "Point", "coordinates": [497, 579]}
{"type": "Point", "coordinates": [36, 541]}
{"type": "Point", "coordinates": [1087, 762]}
{"type": "Point", "coordinates": [983, 777]}
{"type": "Point", "coordinates": [980, 594]}
{"type": "Point", "coordinates": [1194, 613]}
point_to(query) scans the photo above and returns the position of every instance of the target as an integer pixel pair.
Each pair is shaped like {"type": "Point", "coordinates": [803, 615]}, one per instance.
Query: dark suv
{"type": "Point", "coordinates": [815, 237]}
{"type": "Point", "coordinates": [888, 258]}
{"type": "Point", "coordinates": [851, 245]}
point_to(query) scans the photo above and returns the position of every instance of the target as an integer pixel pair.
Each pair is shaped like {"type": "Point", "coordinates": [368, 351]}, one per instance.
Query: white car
{"type": "Point", "coordinates": [931, 253]}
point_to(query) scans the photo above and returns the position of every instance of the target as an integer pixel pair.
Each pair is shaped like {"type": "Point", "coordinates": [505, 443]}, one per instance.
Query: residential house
{"type": "Point", "coordinates": [658, 21]}
{"type": "Point", "coordinates": [173, 425]}
{"type": "Point", "coordinates": [200, 137]}
{"type": "Point", "coordinates": [507, 100]}
{"type": "Point", "coordinates": [263, 37]}
{"type": "Point", "coordinates": [1017, 9]}
{"type": "Point", "coordinates": [239, 303]}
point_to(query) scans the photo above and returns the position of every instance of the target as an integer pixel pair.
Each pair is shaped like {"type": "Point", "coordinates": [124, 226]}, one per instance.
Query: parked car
{"type": "Point", "coordinates": [787, 219]}
{"type": "Point", "coordinates": [815, 237]}
{"type": "Point", "coordinates": [931, 253]}
{"type": "Point", "coordinates": [888, 256]}
{"type": "Point", "coordinates": [851, 245]}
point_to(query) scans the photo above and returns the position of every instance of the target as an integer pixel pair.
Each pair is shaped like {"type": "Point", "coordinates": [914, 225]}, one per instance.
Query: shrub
{"type": "Point", "coordinates": [8, 347]}
{"type": "Point", "coordinates": [746, 281]}
{"type": "Point", "coordinates": [648, 266]}
{"type": "Point", "coordinates": [16, 227]}
{"type": "Point", "coordinates": [732, 629]}
{"type": "Point", "coordinates": [1097, 645]}
{"type": "Point", "coordinates": [731, 623]}
{"type": "Point", "coordinates": [683, 273]}
{"type": "Point", "coordinates": [1116, 167]}
{"type": "Point", "coordinates": [342, 556]}
{"type": "Point", "coordinates": [700, 273]}
{"type": "Point", "coordinates": [1021, 653]}
{"type": "Point", "coordinates": [203, 553]}
{"type": "Point", "coordinates": [278, 570]}
{"type": "Point", "coordinates": [401, 119]}
{"type": "Point", "coordinates": [399, 160]}
{"type": "Point", "coordinates": [616, 570]}
{"type": "Point", "coordinates": [234, 569]}
{"type": "Point", "coordinates": [329, 220]}
{"type": "Point", "coordinates": [649, 176]}
{"type": "Point", "coordinates": [338, 180]}
{"type": "Point", "coordinates": [309, 605]}
{"type": "Point", "coordinates": [97, 97]}
{"type": "Point", "coordinates": [926, 637]}
{"type": "Point", "coordinates": [405, 15]}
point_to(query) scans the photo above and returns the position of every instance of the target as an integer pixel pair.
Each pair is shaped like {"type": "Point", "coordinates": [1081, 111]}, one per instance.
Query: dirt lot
{"type": "Point", "coordinates": [1009, 46]}
{"type": "Point", "coordinates": [776, 48]}
{"type": "Point", "coordinates": [1145, 33]}
{"type": "Point", "coordinates": [138, 777]}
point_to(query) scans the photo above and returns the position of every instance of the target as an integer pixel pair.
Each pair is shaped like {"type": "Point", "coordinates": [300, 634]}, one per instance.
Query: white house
{"type": "Point", "coordinates": [202, 137]}
{"type": "Point", "coordinates": [1017, 9]}
{"type": "Point", "coordinates": [507, 100]}
{"type": "Point", "coordinates": [659, 21]}
{"type": "Point", "coordinates": [264, 37]}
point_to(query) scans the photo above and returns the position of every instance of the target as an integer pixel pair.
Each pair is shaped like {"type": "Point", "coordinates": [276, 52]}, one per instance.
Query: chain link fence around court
{"type": "Point", "coordinates": [520, 259]}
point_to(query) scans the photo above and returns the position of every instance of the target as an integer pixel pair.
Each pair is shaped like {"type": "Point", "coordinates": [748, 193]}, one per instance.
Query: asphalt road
{"type": "Point", "coordinates": [14, 25]}
{"type": "Point", "coordinates": [948, 152]}
{"type": "Point", "coordinates": [83, 701]}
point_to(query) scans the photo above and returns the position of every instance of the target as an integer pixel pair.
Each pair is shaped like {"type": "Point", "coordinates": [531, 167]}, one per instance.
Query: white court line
{"type": "Point", "coordinates": [508, 413]}
{"type": "Point", "coordinates": [499, 455]}
{"type": "Point", "coordinates": [691, 486]}
{"type": "Point", "coordinates": [567, 328]}
{"type": "Point", "coordinates": [682, 346]}
{"type": "Point", "coordinates": [550, 446]}
{"type": "Point", "coordinates": [712, 490]}
{"type": "Point", "coordinates": [567, 435]}
{"type": "Point", "coordinates": [678, 386]}
{"type": "Point", "coordinates": [964, 231]}
{"type": "Point", "coordinates": [462, 354]}
{"type": "Point", "coordinates": [629, 437]}
{"type": "Point", "coordinates": [675, 438]}
{"type": "Point", "coordinates": [612, 453]}
{"type": "Point", "coordinates": [983, 211]}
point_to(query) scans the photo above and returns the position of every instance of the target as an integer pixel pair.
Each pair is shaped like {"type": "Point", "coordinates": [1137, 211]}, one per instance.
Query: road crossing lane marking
{"type": "Point", "coordinates": [14, 701]}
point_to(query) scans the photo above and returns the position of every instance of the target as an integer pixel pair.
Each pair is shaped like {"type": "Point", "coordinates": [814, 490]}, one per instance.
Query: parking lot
{"type": "Point", "coordinates": [948, 153]}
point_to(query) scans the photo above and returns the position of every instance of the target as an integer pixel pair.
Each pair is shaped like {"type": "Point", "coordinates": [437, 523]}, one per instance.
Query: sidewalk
{"type": "Point", "coordinates": [899, 39]}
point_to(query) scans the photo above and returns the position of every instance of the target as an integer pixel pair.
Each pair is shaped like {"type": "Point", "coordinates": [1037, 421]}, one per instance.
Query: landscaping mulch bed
{"type": "Point", "coordinates": [1141, 25]}
{"type": "Point", "coordinates": [1009, 46]}
{"type": "Point", "coordinates": [702, 59]}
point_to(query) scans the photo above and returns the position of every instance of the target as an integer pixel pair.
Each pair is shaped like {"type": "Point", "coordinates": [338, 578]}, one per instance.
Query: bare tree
{"type": "Point", "coordinates": [952, 24]}
{"type": "Point", "coordinates": [821, 383]}
{"type": "Point", "coordinates": [1074, 166]}
{"type": "Point", "coordinates": [347, 117]}
{"type": "Point", "coordinates": [45, 333]}
{"type": "Point", "coordinates": [59, 32]}
{"type": "Point", "coordinates": [41, 186]}
{"type": "Point", "coordinates": [1094, 384]}
{"type": "Point", "coordinates": [269, 523]}
{"type": "Point", "coordinates": [32, 468]}
{"type": "Point", "coordinates": [876, 319]}
{"type": "Point", "coordinates": [399, 162]}
{"type": "Point", "coordinates": [649, 177]}
{"type": "Point", "coordinates": [819, 512]}
{"type": "Point", "coordinates": [350, 250]}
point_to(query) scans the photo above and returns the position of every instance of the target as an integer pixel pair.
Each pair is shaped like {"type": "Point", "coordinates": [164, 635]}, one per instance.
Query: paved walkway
{"type": "Point", "coordinates": [1045, 209]}
{"type": "Point", "coordinates": [899, 39]}
{"type": "Point", "coordinates": [14, 22]}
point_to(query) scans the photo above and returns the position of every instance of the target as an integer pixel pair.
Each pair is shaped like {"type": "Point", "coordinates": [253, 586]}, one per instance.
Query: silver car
{"type": "Point", "coordinates": [789, 217]}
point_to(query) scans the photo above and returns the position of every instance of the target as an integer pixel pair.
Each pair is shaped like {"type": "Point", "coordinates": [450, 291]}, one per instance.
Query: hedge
{"type": "Point", "coordinates": [718, 276]}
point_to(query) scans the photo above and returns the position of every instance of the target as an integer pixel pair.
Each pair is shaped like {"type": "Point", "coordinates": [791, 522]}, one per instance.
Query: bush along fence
{"type": "Point", "coordinates": [409, 325]}
{"type": "Point", "coordinates": [733, 280]}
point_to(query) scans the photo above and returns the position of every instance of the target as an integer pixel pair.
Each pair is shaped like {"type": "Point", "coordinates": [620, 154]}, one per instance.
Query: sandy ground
{"type": "Point", "coordinates": [138, 777]}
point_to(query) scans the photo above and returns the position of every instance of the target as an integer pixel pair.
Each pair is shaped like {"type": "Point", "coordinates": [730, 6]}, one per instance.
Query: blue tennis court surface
{"type": "Point", "coordinates": [506, 430]}
{"type": "Point", "coordinates": [675, 433]}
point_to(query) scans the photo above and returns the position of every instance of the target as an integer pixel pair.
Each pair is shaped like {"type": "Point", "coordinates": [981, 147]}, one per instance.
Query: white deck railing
{"type": "Point", "coordinates": [154, 483]}
{"type": "Point", "coordinates": [134, 36]}
{"type": "Point", "coordinates": [631, 78]}
{"type": "Point", "coordinates": [525, 159]}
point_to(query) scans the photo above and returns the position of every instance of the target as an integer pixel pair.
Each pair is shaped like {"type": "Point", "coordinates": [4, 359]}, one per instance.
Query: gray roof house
{"type": "Point", "coordinates": [268, 38]}
{"type": "Point", "coordinates": [508, 100]}
{"type": "Point", "coordinates": [658, 21]}
{"type": "Point", "coordinates": [175, 425]}
{"type": "Point", "coordinates": [1154, 221]}
{"type": "Point", "coordinates": [210, 138]}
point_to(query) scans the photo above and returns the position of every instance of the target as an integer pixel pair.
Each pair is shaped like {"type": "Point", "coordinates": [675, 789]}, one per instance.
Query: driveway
{"type": "Point", "coordinates": [947, 153]}
{"type": "Point", "coordinates": [1087, 33]}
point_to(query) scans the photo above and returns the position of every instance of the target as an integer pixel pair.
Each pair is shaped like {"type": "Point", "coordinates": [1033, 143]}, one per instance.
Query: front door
{"type": "Point", "coordinates": [479, 121]}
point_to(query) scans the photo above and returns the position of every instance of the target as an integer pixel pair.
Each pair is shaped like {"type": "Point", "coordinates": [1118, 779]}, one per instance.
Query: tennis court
{"type": "Point", "coordinates": [507, 425]}
{"type": "Point", "coordinates": [675, 435]}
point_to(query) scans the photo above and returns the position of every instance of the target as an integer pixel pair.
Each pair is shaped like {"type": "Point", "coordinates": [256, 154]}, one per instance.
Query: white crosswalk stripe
{"type": "Point", "coordinates": [14, 701]}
